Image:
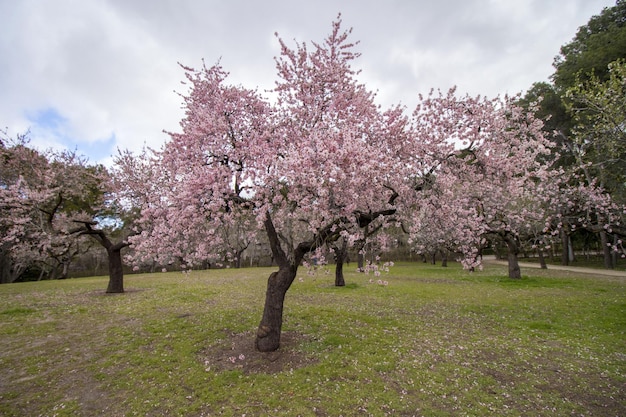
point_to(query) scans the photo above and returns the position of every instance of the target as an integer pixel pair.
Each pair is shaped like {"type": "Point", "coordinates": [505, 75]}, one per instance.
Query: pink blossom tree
{"type": "Point", "coordinates": [40, 194]}
{"type": "Point", "coordinates": [493, 178]}
{"type": "Point", "coordinates": [19, 165]}
{"type": "Point", "coordinates": [578, 204]}
{"type": "Point", "coordinates": [50, 200]}
{"type": "Point", "coordinates": [314, 167]}
{"type": "Point", "coordinates": [323, 164]}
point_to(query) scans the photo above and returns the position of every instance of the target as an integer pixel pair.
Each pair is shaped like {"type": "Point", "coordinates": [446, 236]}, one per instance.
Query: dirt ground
{"type": "Point", "coordinates": [237, 351]}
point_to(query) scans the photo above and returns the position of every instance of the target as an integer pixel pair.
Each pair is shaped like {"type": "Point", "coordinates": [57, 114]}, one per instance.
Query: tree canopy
{"type": "Point", "coordinates": [323, 168]}
{"type": "Point", "coordinates": [324, 162]}
{"type": "Point", "coordinates": [598, 43]}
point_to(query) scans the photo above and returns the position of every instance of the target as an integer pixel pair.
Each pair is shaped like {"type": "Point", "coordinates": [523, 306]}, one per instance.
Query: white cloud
{"type": "Point", "coordinates": [109, 68]}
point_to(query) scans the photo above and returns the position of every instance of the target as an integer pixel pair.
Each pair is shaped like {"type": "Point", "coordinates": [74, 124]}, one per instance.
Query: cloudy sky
{"type": "Point", "coordinates": [95, 75]}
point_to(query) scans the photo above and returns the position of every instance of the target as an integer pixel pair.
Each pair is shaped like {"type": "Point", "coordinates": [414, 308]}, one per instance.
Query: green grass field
{"type": "Point", "coordinates": [433, 342]}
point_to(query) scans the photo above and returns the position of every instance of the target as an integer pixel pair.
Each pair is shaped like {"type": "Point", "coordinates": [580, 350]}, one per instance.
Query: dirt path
{"type": "Point", "coordinates": [578, 269]}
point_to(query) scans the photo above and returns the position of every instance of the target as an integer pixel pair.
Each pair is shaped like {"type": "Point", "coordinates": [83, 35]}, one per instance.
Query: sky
{"type": "Point", "coordinates": [95, 76]}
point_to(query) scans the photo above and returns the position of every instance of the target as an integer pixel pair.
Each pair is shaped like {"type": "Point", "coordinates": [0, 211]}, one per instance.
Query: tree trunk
{"type": "Point", "coordinates": [514, 269]}
{"type": "Point", "coordinates": [66, 269]}
{"type": "Point", "coordinates": [341, 252]}
{"type": "Point", "coordinates": [268, 333]}
{"type": "Point", "coordinates": [444, 258]}
{"type": "Point", "coordinates": [339, 279]}
{"type": "Point", "coordinates": [116, 272]}
{"type": "Point", "coordinates": [564, 248]}
{"type": "Point", "coordinates": [238, 258]}
{"type": "Point", "coordinates": [360, 259]}
{"type": "Point", "coordinates": [542, 259]}
{"type": "Point", "coordinates": [114, 255]}
{"type": "Point", "coordinates": [606, 250]}
{"type": "Point", "coordinates": [5, 268]}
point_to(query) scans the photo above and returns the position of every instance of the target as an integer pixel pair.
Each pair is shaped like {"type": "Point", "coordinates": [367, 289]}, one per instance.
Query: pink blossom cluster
{"type": "Point", "coordinates": [323, 161]}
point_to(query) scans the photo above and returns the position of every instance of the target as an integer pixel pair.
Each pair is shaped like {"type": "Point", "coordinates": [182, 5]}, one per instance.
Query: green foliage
{"type": "Point", "coordinates": [598, 109]}
{"type": "Point", "coordinates": [601, 41]}
{"type": "Point", "coordinates": [434, 341]}
{"type": "Point", "coordinates": [595, 46]}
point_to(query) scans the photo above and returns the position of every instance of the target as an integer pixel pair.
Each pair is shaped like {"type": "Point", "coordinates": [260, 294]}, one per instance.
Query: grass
{"type": "Point", "coordinates": [434, 342]}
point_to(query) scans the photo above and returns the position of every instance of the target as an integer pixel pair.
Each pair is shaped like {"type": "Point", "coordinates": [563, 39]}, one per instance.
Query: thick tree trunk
{"type": "Point", "coordinates": [268, 333]}
{"type": "Point", "coordinates": [114, 255]}
{"type": "Point", "coordinates": [66, 269]}
{"type": "Point", "coordinates": [339, 279]}
{"type": "Point", "coordinates": [116, 272]}
{"type": "Point", "coordinates": [5, 268]}
{"type": "Point", "coordinates": [513, 249]}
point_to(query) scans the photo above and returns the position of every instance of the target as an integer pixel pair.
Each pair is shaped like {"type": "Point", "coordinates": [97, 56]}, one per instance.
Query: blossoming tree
{"type": "Point", "coordinates": [49, 201]}
{"type": "Point", "coordinates": [40, 193]}
{"type": "Point", "coordinates": [319, 165]}
{"type": "Point", "coordinates": [316, 166]}
{"type": "Point", "coordinates": [495, 177]}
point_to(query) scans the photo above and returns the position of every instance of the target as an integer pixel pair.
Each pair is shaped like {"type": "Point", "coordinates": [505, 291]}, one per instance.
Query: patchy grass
{"type": "Point", "coordinates": [433, 342]}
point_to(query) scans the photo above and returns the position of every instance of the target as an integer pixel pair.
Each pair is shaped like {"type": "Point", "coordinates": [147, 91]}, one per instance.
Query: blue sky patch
{"type": "Point", "coordinates": [50, 129]}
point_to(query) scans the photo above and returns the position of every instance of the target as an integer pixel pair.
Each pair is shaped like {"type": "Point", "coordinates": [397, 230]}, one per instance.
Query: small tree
{"type": "Point", "coordinates": [114, 253]}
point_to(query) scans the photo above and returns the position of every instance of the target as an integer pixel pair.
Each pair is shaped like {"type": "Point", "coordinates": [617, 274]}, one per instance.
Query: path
{"type": "Point", "coordinates": [579, 269]}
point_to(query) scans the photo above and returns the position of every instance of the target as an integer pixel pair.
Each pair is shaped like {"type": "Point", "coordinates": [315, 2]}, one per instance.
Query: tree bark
{"type": "Point", "coordinates": [116, 271]}
{"type": "Point", "coordinates": [564, 248]}
{"type": "Point", "coordinates": [114, 254]}
{"type": "Point", "coordinates": [360, 261]}
{"type": "Point", "coordinates": [606, 250]}
{"type": "Point", "coordinates": [542, 259]}
{"type": "Point", "coordinates": [444, 258]}
{"type": "Point", "coordinates": [341, 252]}
{"type": "Point", "coordinates": [6, 268]}
{"type": "Point", "coordinates": [238, 255]}
{"type": "Point", "coordinates": [513, 249]}
{"type": "Point", "coordinates": [269, 331]}
{"type": "Point", "coordinates": [339, 279]}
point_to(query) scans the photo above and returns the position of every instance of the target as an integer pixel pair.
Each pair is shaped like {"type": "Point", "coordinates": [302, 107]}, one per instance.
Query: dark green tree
{"type": "Point", "coordinates": [568, 117]}
{"type": "Point", "coordinates": [598, 43]}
